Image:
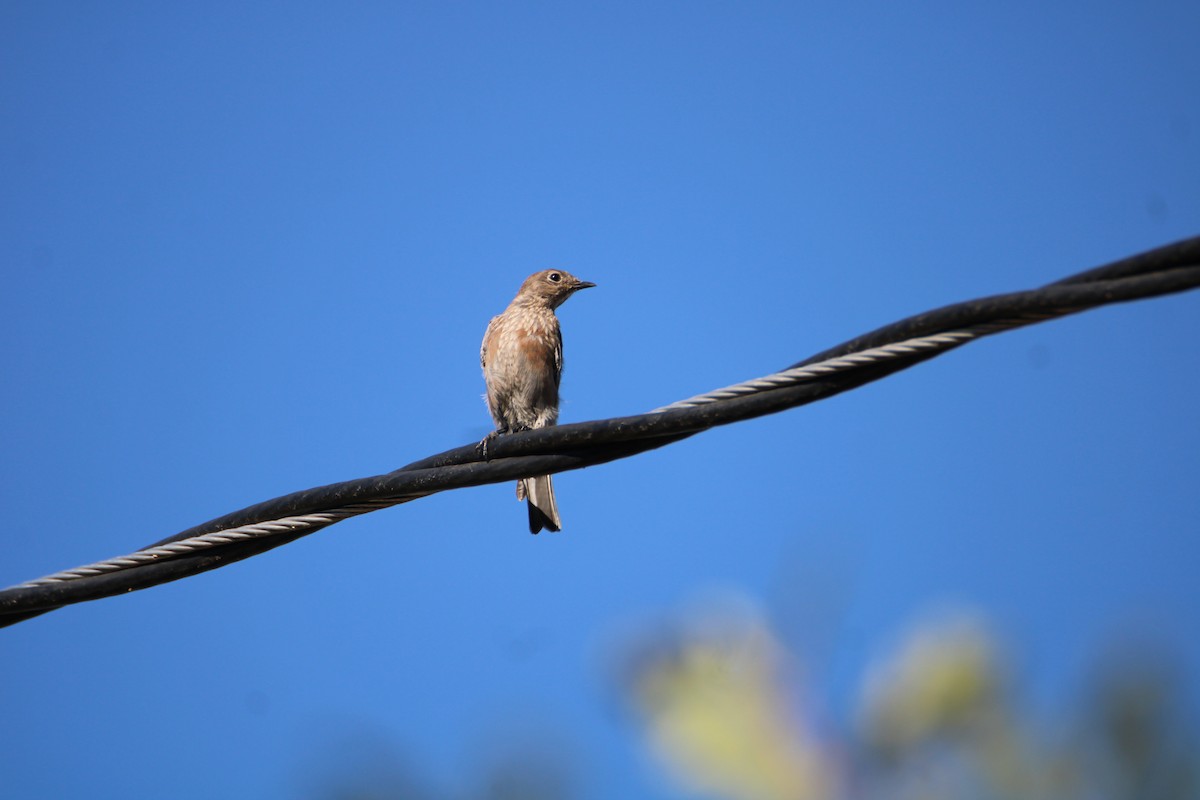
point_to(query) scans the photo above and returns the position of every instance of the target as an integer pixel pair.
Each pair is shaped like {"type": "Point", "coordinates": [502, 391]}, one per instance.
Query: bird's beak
{"type": "Point", "coordinates": [584, 285]}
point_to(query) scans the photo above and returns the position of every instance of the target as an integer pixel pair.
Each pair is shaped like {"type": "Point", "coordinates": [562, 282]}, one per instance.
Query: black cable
{"type": "Point", "coordinates": [1169, 269]}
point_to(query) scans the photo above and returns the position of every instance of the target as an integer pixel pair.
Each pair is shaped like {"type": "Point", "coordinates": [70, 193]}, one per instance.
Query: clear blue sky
{"type": "Point", "coordinates": [251, 248]}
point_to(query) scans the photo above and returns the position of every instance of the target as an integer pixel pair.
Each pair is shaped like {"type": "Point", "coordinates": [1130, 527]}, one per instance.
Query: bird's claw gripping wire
{"type": "Point", "coordinates": [482, 447]}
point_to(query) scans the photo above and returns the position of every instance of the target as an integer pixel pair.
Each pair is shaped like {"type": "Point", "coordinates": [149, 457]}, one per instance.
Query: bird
{"type": "Point", "coordinates": [522, 360]}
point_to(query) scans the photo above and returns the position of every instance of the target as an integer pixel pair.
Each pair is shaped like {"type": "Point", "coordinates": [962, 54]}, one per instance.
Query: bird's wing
{"type": "Point", "coordinates": [557, 355]}
{"type": "Point", "coordinates": [483, 346]}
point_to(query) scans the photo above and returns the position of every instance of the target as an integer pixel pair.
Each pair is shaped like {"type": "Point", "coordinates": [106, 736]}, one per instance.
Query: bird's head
{"type": "Point", "coordinates": [551, 287]}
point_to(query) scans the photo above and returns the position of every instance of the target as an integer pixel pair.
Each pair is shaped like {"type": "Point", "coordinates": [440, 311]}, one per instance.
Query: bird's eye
{"type": "Point", "coordinates": [554, 277]}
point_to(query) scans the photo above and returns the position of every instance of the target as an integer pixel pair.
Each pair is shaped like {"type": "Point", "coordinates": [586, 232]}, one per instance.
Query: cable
{"type": "Point", "coordinates": [150, 555]}
{"type": "Point", "coordinates": [258, 528]}
{"type": "Point", "coordinates": [940, 341]}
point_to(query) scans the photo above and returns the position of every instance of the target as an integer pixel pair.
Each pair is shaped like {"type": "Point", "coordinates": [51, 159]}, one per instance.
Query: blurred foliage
{"type": "Point", "coordinates": [943, 682]}
{"type": "Point", "coordinates": [937, 720]}
{"type": "Point", "coordinates": [719, 701]}
{"type": "Point", "coordinates": [717, 712]}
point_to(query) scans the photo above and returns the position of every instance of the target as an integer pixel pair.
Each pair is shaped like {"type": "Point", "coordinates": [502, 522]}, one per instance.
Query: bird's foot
{"type": "Point", "coordinates": [482, 447]}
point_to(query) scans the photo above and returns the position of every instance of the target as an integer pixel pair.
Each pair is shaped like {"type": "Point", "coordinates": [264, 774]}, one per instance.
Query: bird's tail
{"type": "Point", "coordinates": [543, 510]}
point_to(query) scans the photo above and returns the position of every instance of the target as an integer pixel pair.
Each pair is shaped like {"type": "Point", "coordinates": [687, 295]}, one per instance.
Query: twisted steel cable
{"type": "Point", "coordinates": [1166, 270]}
{"type": "Point", "coordinates": [310, 523]}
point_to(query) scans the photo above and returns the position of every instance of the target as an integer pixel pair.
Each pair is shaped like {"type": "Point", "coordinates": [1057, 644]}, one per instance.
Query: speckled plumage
{"type": "Point", "coordinates": [521, 356]}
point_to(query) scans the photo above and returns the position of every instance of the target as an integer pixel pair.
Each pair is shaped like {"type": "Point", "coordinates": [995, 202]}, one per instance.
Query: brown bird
{"type": "Point", "coordinates": [522, 362]}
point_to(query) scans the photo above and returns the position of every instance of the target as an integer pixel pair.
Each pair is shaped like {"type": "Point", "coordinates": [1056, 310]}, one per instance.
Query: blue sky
{"type": "Point", "coordinates": [251, 248]}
